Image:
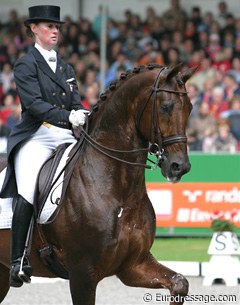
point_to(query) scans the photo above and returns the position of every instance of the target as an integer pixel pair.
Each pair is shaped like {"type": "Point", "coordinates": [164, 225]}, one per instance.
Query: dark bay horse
{"type": "Point", "coordinates": [106, 225]}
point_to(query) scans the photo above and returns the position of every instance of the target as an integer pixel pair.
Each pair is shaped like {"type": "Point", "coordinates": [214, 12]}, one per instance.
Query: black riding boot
{"type": "Point", "coordinates": [22, 216]}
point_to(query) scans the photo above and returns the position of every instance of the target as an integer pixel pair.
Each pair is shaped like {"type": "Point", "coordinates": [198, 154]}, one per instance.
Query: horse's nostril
{"type": "Point", "coordinates": [175, 167]}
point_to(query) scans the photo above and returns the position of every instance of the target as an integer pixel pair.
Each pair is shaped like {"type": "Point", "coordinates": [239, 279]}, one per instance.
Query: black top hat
{"type": "Point", "coordinates": [43, 13]}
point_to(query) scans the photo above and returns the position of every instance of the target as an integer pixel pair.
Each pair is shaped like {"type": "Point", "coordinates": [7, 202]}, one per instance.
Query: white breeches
{"type": "Point", "coordinates": [33, 153]}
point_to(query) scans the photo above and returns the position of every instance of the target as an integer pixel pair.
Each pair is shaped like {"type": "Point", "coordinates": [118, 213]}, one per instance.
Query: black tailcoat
{"type": "Point", "coordinates": [45, 97]}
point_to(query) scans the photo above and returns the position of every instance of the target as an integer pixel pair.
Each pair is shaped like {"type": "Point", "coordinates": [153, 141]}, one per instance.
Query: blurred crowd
{"type": "Point", "coordinates": [210, 40]}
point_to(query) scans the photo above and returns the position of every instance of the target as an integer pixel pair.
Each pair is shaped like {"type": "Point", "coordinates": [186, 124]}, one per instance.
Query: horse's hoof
{"type": "Point", "coordinates": [180, 285]}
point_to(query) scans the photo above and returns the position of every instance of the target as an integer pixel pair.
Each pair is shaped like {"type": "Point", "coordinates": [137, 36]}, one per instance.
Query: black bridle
{"type": "Point", "coordinates": [154, 148]}
{"type": "Point", "coordinates": [158, 149]}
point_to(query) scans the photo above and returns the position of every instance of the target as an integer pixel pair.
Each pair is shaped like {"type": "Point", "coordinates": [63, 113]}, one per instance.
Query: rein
{"type": "Point", "coordinates": [103, 150]}
{"type": "Point", "coordinates": [154, 148]}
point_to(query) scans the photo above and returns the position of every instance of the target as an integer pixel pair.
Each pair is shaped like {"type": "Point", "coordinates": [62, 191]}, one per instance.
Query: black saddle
{"type": "Point", "coordinates": [45, 178]}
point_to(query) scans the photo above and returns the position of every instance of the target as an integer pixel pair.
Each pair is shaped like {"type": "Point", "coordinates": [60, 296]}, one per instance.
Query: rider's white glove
{"type": "Point", "coordinates": [78, 117]}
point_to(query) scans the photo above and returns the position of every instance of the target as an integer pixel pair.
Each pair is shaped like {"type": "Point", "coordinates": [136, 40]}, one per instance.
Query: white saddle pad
{"type": "Point", "coordinates": [49, 207]}
{"type": "Point", "coordinates": [5, 213]}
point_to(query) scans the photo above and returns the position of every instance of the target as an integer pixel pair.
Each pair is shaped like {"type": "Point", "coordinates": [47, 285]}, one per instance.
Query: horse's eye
{"type": "Point", "coordinates": [166, 107]}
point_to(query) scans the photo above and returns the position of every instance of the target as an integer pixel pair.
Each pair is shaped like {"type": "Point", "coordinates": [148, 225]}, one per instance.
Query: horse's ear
{"type": "Point", "coordinates": [172, 71]}
{"type": "Point", "coordinates": [185, 75]}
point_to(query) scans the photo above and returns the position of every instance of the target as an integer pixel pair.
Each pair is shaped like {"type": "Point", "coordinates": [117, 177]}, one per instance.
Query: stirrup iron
{"type": "Point", "coordinates": [21, 274]}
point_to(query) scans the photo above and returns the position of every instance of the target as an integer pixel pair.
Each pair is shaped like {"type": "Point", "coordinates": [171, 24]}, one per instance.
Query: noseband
{"type": "Point", "coordinates": [155, 148]}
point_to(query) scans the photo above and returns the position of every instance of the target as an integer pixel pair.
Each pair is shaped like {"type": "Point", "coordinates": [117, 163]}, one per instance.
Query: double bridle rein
{"type": "Point", "coordinates": [154, 148]}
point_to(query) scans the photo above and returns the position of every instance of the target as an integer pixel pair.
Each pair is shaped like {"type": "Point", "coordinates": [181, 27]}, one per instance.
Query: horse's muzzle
{"type": "Point", "coordinates": [178, 170]}
{"type": "Point", "coordinates": [173, 170]}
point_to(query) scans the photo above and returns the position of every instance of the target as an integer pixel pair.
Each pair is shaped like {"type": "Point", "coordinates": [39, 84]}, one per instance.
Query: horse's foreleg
{"type": "Point", "coordinates": [151, 274]}
{"type": "Point", "coordinates": [82, 286]}
{"type": "Point", "coordinates": [4, 282]}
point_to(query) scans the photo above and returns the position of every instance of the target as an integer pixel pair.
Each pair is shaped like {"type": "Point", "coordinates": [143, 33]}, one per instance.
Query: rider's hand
{"type": "Point", "coordinates": [78, 117]}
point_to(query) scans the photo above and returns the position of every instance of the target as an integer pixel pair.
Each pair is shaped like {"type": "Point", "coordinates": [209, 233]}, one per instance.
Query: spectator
{"type": "Point", "coordinates": [178, 40]}
{"type": "Point", "coordinates": [131, 49]}
{"type": "Point", "coordinates": [196, 58]}
{"type": "Point", "coordinates": [231, 87]}
{"type": "Point", "coordinates": [174, 18]}
{"type": "Point", "coordinates": [82, 44]}
{"type": "Point", "coordinates": [233, 116]}
{"type": "Point", "coordinates": [21, 40]}
{"type": "Point", "coordinates": [222, 141]}
{"type": "Point", "coordinates": [228, 40]}
{"type": "Point", "coordinates": [71, 38]}
{"type": "Point", "coordinates": [196, 17]}
{"type": "Point", "coordinates": [230, 25]}
{"type": "Point", "coordinates": [97, 22]}
{"type": "Point", "coordinates": [222, 60]}
{"type": "Point", "coordinates": [91, 96]}
{"type": "Point", "coordinates": [202, 124]}
{"type": "Point", "coordinates": [14, 117]}
{"type": "Point", "coordinates": [193, 94]}
{"type": "Point", "coordinates": [235, 69]}
{"type": "Point", "coordinates": [173, 57]}
{"type": "Point", "coordinates": [6, 109]}
{"type": "Point", "coordinates": [214, 46]}
{"type": "Point", "coordinates": [114, 50]}
{"type": "Point", "coordinates": [218, 103]}
{"type": "Point", "coordinates": [152, 57]}
{"type": "Point", "coordinates": [12, 53]}
{"type": "Point", "coordinates": [112, 29]}
{"type": "Point", "coordinates": [63, 51]}
{"type": "Point", "coordinates": [121, 61]}
{"type": "Point", "coordinates": [6, 77]}
{"type": "Point", "coordinates": [136, 26]}
{"type": "Point", "coordinates": [157, 29]}
{"type": "Point", "coordinates": [236, 51]}
{"type": "Point", "coordinates": [194, 144]}
{"type": "Point", "coordinates": [190, 32]}
{"type": "Point", "coordinates": [12, 25]}
{"type": "Point", "coordinates": [219, 76]}
{"type": "Point", "coordinates": [92, 61]}
{"type": "Point", "coordinates": [13, 91]}
{"type": "Point", "coordinates": [203, 40]}
{"type": "Point", "coordinates": [186, 54]}
{"type": "Point", "coordinates": [164, 45]}
{"type": "Point", "coordinates": [206, 93]}
{"type": "Point", "coordinates": [204, 72]}
{"type": "Point", "coordinates": [127, 17]}
{"type": "Point", "coordinates": [90, 78]}
{"type": "Point", "coordinates": [222, 13]}
{"type": "Point", "coordinates": [4, 133]}
{"type": "Point", "coordinates": [206, 24]}
{"type": "Point", "coordinates": [150, 18]}
{"type": "Point", "coordinates": [237, 28]}
{"type": "Point", "coordinates": [86, 29]}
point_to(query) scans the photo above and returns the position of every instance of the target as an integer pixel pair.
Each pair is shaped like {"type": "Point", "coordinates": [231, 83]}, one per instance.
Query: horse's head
{"type": "Point", "coordinates": [163, 117]}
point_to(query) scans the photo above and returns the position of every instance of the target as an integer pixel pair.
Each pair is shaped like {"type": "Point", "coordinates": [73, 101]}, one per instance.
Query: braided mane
{"type": "Point", "coordinates": [123, 77]}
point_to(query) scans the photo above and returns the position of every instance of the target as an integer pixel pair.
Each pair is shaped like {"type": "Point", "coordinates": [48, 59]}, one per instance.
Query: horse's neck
{"type": "Point", "coordinates": [114, 127]}
{"type": "Point", "coordinates": [116, 121]}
